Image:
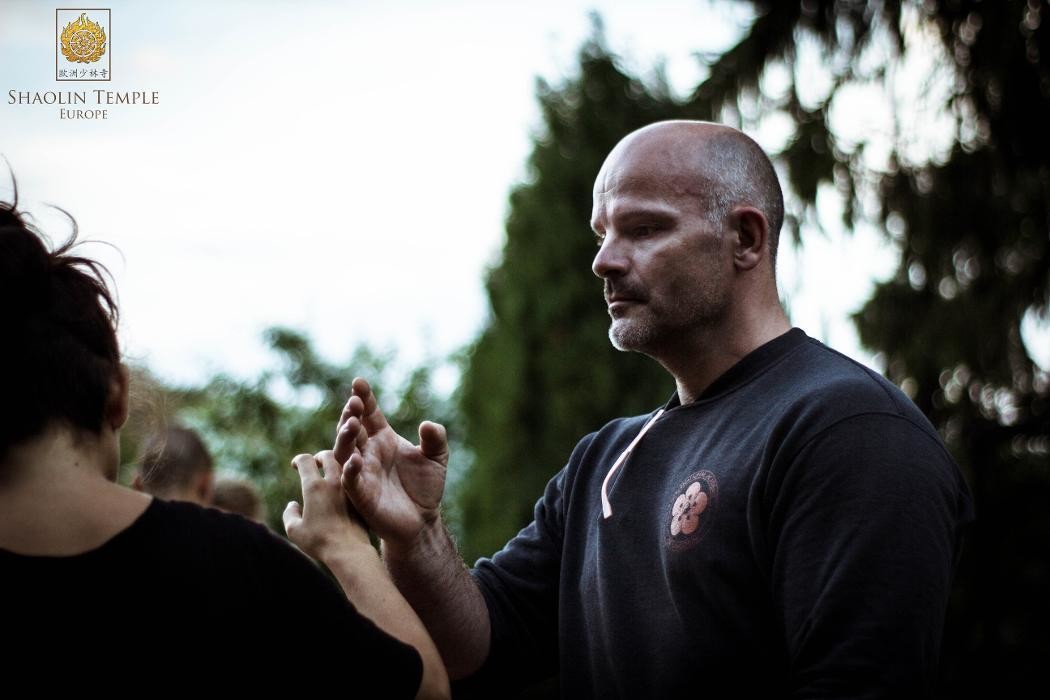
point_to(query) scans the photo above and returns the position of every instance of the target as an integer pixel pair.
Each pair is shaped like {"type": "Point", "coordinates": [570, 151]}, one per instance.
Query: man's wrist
{"type": "Point", "coordinates": [431, 538]}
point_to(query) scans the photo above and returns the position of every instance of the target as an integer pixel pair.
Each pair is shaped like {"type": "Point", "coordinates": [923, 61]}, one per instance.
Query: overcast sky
{"type": "Point", "coordinates": [306, 157]}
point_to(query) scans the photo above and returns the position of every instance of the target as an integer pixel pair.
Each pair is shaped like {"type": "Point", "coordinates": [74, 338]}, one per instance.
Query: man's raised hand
{"type": "Point", "coordinates": [394, 485]}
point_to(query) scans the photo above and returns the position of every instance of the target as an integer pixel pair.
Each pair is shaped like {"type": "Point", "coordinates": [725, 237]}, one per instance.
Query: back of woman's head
{"type": "Point", "coordinates": [59, 356]}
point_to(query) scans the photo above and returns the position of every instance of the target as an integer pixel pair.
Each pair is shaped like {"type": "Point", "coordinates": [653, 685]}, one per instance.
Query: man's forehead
{"type": "Point", "coordinates": [642, 199]}
{"type": "Point", "coordinates": [642, 185]}
{"type": "Point", "coordinates": [668, 174]}
{"type": "Point", "coordinates": [632, 187]}
{"type": "Point", "coordinates": [627, 191]}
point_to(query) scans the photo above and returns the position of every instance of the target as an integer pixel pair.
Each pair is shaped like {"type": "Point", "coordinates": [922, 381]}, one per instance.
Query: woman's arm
{"type": "Point", "coordinates": [325, 528]}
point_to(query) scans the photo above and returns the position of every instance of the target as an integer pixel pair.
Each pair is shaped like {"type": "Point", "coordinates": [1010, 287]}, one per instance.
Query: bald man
{"type": "Point", "coordinates": [785, 526]}
{"type": "Point", "coordinates": [175, 465]}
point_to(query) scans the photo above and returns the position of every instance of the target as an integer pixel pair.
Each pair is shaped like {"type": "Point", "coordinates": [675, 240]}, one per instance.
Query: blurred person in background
{"type": "Point", "coordinates": [175, 465]}
{"type": "Point", "coordinates": [239, 496]}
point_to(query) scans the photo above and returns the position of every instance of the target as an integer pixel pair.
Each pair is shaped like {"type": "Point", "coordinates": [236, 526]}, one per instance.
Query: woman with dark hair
{"type": "Point", "coordinates": [83, 558]}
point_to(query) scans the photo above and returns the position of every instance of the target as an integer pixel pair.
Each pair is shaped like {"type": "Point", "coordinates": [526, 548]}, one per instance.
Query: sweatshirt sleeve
{"type": "Point", "coordinates": [865, 531]}
{"type": "Point", "coordinates": [520, 585]}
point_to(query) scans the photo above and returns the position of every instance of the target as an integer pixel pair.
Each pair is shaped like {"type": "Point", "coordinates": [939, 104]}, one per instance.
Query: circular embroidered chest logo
{"type": "Point", "coordinates": [692, 507]}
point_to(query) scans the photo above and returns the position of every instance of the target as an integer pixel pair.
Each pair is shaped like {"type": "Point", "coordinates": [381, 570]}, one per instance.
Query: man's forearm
{"type": "Point", "coordinates": [435, 581]}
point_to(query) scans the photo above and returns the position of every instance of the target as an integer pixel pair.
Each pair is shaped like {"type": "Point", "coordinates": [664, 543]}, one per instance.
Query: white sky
{"type": "Point", "coordinates": [337, 167]}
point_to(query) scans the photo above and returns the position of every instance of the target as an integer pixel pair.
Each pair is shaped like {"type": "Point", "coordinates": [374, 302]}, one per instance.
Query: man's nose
{"type": "Point", "coordinates": [610, 260]}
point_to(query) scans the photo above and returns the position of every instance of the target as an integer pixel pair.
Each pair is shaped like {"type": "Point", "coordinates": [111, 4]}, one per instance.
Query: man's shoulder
{"type": "Point", "coordinates": [818, 388]}
{"type": "Point", "coordinates": [818, 373]}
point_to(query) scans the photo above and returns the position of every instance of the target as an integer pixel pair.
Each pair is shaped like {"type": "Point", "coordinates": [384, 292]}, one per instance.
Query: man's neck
{"type": "Point", "coordinates": [697, 363]}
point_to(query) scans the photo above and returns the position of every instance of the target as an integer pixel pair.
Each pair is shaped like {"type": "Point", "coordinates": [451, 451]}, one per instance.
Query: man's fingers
{"type": "Point", "coordinates": [362, 438]}
{"type": "Point", "coordinates": [356, 482]}
{"type": "Point", "coordinates": [372, 417]}
{"type": "Point", "coordinates": [350, 436]}
{"type": "Point", "coordinates": [433, 442]}
{"type": "Point", "coordinates": [343, 416]}
{"type": "Point", "coordinates": [354, 407]}
{"type": "Point", "coordinates": [345, 439]}
{"type": "Point", "coordinates": [362, 388]}
{"type": "Point", "coordinates": [352, 471]}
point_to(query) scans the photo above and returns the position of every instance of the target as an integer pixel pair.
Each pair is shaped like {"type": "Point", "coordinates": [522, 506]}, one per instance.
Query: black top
{"type": "Point", "coordinates": [192, 597]}
{"type": "Point", "coordinates": [791, 533]}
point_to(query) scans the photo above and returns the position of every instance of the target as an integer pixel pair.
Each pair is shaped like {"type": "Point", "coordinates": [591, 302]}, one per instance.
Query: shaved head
{"type": "Point", "coordinates": [719, 165]}
{"type": "Point", "coordinates": [686, 216]}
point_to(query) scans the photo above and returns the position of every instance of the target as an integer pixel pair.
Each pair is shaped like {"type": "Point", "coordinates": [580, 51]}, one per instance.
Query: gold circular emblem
{"type": "Point", "coordinates": [83, 41]}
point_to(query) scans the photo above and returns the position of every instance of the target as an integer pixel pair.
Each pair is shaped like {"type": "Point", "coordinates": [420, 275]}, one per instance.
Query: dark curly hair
{"type": "Point", "coordinates": [59, 355]}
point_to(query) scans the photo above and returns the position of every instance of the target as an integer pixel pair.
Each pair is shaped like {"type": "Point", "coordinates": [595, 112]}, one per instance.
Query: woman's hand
{"type": "Point", "coordinates": [326, 520]}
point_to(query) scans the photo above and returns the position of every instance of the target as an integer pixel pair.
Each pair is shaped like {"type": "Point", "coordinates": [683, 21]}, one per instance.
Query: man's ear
{"type": "Point", "coordinates": [752, 237]}
{"type": "Point", "coordinates": [117, 400]}
{"type": "Point", "coordinates": [137, 484]}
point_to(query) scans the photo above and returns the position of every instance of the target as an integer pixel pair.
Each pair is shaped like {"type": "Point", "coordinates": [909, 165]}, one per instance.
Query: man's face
{"type": "Point", "coordinates": [665, 259]}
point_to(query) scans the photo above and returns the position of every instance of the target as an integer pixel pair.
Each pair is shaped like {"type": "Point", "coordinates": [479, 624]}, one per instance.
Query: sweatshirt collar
{"type": "Point", "coordinates": [748, 367]}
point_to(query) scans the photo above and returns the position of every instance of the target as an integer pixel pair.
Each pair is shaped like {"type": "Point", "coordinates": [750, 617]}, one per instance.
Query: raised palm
{"type": "Point", "coordinates": [394, 485]}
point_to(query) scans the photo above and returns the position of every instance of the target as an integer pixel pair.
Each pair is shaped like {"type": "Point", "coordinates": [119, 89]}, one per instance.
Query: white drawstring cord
{"type": "Point", "coordinates": [606, 506]}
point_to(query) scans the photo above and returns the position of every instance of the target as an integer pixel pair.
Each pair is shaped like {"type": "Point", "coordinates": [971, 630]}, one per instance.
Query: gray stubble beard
{"type": "Point", "coordinates": [645, 334]}
{"type": "Point", "coordinates": [631, 336]}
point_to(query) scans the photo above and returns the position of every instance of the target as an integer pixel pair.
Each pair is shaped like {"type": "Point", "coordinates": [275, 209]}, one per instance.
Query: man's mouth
{"type": "Point", "coordinates": [622, 296]}
{"type": "Point", "coordinates": [619, 303]}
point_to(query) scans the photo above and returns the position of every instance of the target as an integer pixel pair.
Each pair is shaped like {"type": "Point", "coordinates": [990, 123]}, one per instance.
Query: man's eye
{"type": "Point", "coordinates": [599, 238]}
{"type": "Point", "coordinates": [643, 231]}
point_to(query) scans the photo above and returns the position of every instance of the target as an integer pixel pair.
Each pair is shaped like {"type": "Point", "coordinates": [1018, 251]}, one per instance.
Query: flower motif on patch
{"type": "Point", "coordinates": [685, 514]}
{"type": "Point", "coordinates": [691, 509]}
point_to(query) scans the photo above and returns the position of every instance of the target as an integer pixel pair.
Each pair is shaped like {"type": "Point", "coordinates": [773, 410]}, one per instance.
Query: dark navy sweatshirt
{"type": "Point", "coordinates": [791, 533]}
